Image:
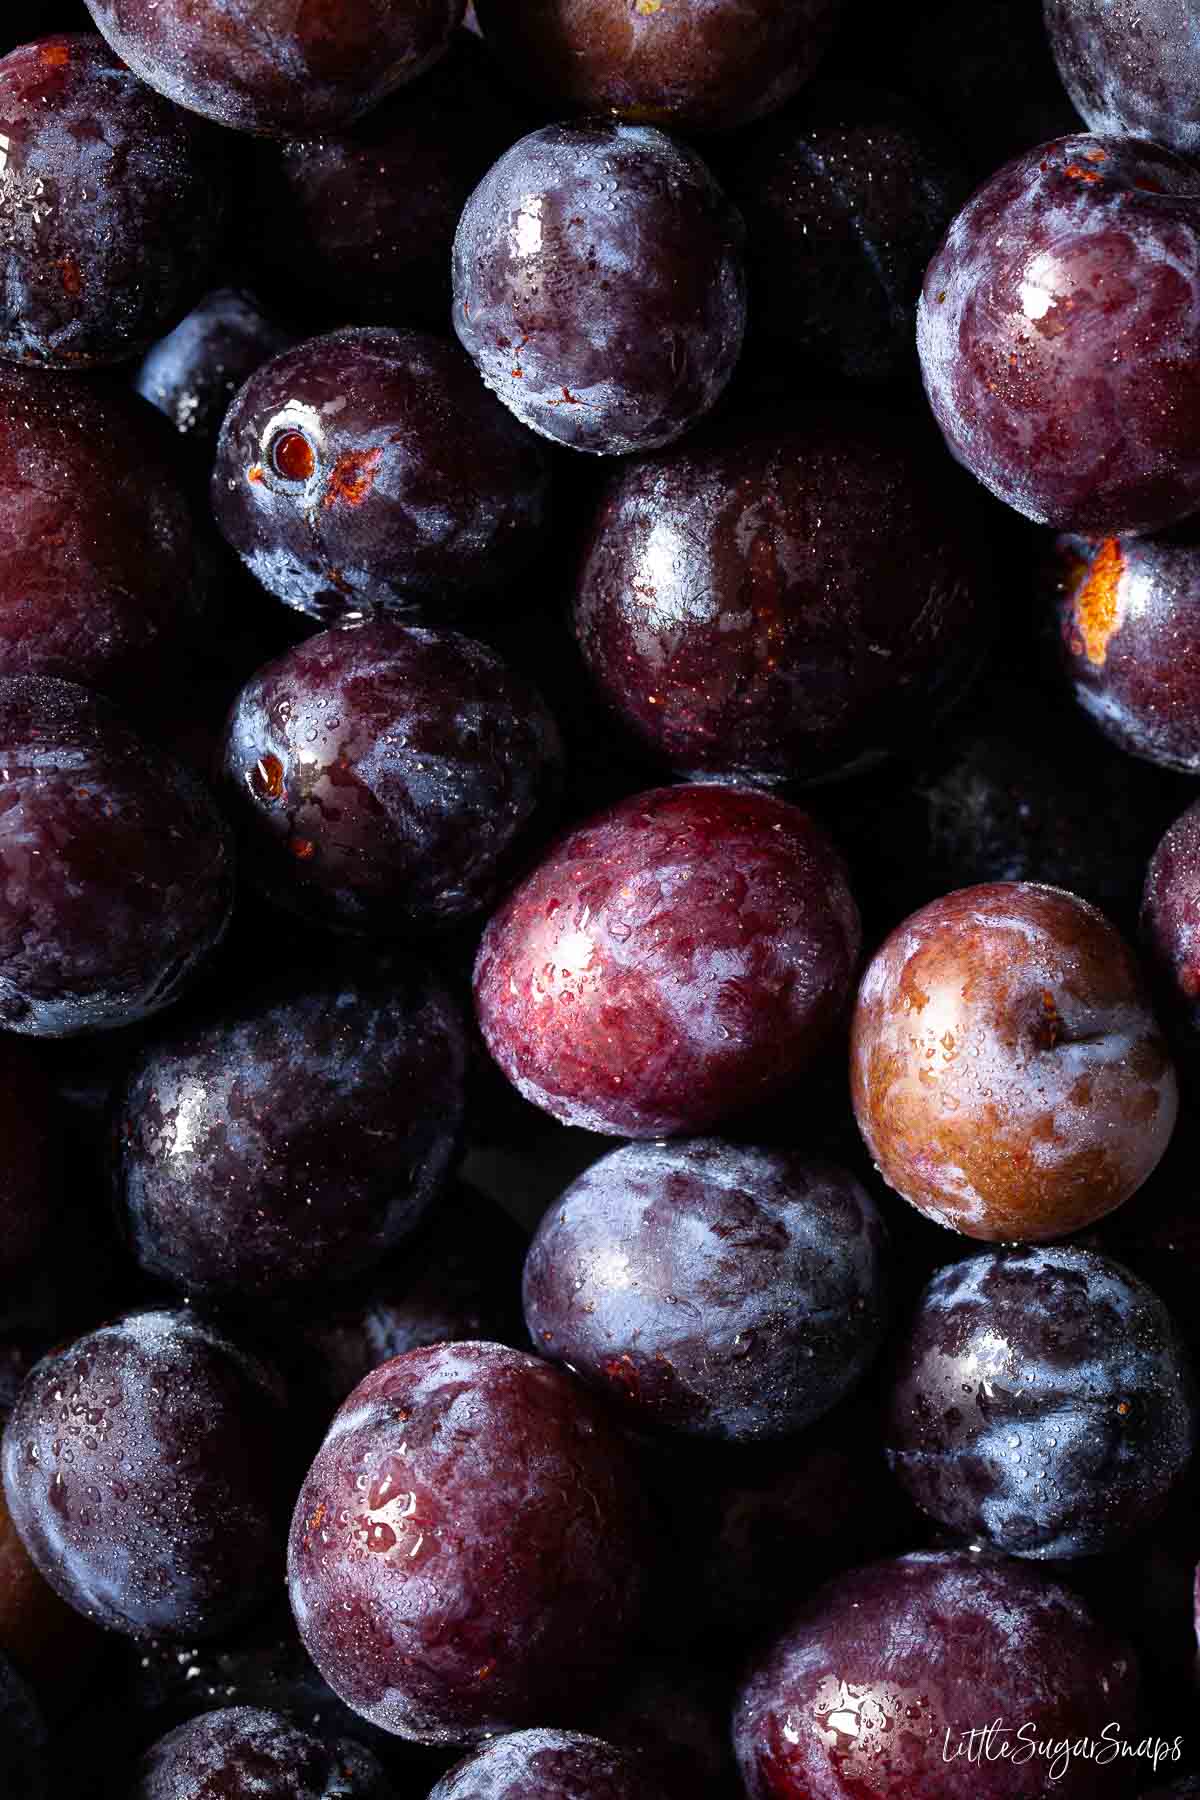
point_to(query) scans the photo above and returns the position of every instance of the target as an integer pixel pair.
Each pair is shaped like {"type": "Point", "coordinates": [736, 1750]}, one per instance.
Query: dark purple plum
{"type": "Point", "coordinates": [1129, 617]}
{"type": "Point", "coordinates": [599, 285]}
{"type": "Point", "coordinates": [242, 1753]}
{"type": "Point", "coordinates": [294, 1139]}
{"type": "Point", "coordinates": [1171, 921]}
{"type": "Point", "coordinates": [672, 961]}
{"type": "Point", "coordinates": [1130, 74]}
{"type": "Point", "coordinates": [706, 66]}
{"type": "Point", "coordinates": [278, 68]}
{"type": "Point", "coordinates": [785, 604]}
{"type": "Point", "coordinates": [468, 1550]}
{"type": "Point", "coordinates": [24, 1743]}
{"type": "Point", "coordinates": [368, 469]}
{"type": "Point", "coordinates": [360, 223]}
{"type": "Point", "coordinates": [1059, 335]}
{"type": "Point", "coordinates": [117, 870]}
{"type": "Point", "coordinates": [111, 207]}
{"type": "Point", "coordinates": [193, 373]}
{"type": "Point", "coordinates": [714, 1290]}
{"type": "Point", "coordinates": [846, 196]}
{"type": "Point", "coordinates": [549, 1765]}
{"type": "Point", "coordinates": [146, 1467]}
{"type": "Point", "coordinates": [388, 779]}
{"type": "Point", "coordinates": [875, 1689]}
{"type": "Point", "coordinates": [1043, 1403]}
{"type": "Point", "coordinates": [101, 580]}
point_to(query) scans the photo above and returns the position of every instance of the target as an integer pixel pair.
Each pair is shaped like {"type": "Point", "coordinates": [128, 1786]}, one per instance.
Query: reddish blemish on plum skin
{"type": "Point", "coordinates": [675, 959]}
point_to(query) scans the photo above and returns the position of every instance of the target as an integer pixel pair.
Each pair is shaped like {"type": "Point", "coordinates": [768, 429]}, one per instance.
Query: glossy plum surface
{"type": "Point", "coordinates": [1129, 617]}
{"type": "Point", "coordinates": [784, 604]}
{"type": "Point", "coordinates": [368, 469]}
{"type": "Point", "coordinates": [1007, 1072]}
{"type": "Point", "coordinates": [467, 1552]}
{"type": "Point", "coordinates": [101, 579]}
{"type": "Point", "coordinates": [24, 1761]}
{"type": "Point", "coordinates": [1059, 335]}
{"type": "Point", "coordinates": [242, 1753]}
{"type": "Point", "coordinates": [388, 779]}
{"type": "Point", "coordinates": [548, 1765]}
{"type": "Point", "coordinates": [1131, 74]}
{"type": "Point", "coordinates": [846, 196]}
{"type": "Point", "coordinates": [1171, 920]}
{"type": "Point", "coordinates": [192, 374]}
{"type": "Point", "coordinates": [671, 961]}
{"type": "Point", "coordinates": [361, 222]}
{"type": "Point", "coordinates": [295, 1139]}
{"type": "Point", "coordinates": [98, 251]}
{"type": "Point", "coordinates": [278, 68]}
{"type": "Point", "coordinates": [1043, 1403]}
{"type": "Point", "coordinates": [154, 1505]}
{"type": "Point", "coordinates": [885, 1671]}
{"type": "Point", "coordinates": [117, 869]}
{"type": "Point", "coordinates": [714, 1290]}
{"type": "Point", "coordinates": [599, 285]}
{"type": "Point", "coordinates": [706, 66]}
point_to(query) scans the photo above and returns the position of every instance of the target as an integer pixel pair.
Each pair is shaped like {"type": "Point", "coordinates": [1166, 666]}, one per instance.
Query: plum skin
{"type": "Point", "coordinates": [467, 1549]}
{"type": "Point", "coordinates": [1006, 1071]}
{"type": "Point", "coordinates": [670, 961]}
{"type": "Point", "coordinates": [1129, 83]}
{"type": "Point", "coordinates": [548, 1765]}
{"type": "Point", "coordinates": [1043, 1403]}
{"type": "Point", "coordinates": [192, 374]}
{"type": "Point", "coordinates": [599, 285]}
{"type": "Point", "coordinates": [254, 1754]}
{"type": "Point", "coordinates": [885, 1668]}
{"type": "Point", "coordinates": [721, 1292]}
{"type": "Point", "coordinates": [1067, 384]}
{"type": "Point", "coordinates": [1170, 921]}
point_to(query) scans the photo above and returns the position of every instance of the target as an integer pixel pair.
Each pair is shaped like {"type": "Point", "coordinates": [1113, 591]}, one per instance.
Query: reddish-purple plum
{"type": "Point", "coordinates": [193, 373]}
{"type": "Point", "coordinates": [549, 1765]}
{"type": "Point", "coordinates": [243, 1753]}
{"type": "Point", "coordinates": [670, 962]}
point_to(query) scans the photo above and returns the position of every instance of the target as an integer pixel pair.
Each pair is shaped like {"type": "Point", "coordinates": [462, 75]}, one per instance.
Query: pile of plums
{"type": "Point", "coordinates": [599, 687]}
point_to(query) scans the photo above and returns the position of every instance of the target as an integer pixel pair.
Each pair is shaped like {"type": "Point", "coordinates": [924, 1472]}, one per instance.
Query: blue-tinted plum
{"type": "Point", "coordinates": [193, 373]}
{"type": "Point", "coordinates": [242, 1753]}
{"type": "Point", "coordinates": [1043, 1403]}
{"type": "Point", "coordinates": [387, 780]}
{"type": "Point", "coordinates": [599, 285]}
{"type": "Point", "coordinates": [670, 962]}
{"type": "Point", "coordinates": [117, 869]}
{"type": "Point", "coordinates": [278, 68]}
{"type": "Point", "coordinates": [714, 1290]}
{"type": "Point", "coordinates": [885, 1673]}
{"type": "Point", "coordinates": [294, 1139]}
{"type": "Point", "coordinates": [1171, 922]}
{"type": "Point", "coordinates": [784, 605]}
{"type": "Point", "coordinates": [1059, 335]}
{"type": "Point", "coordinates": [1130, 74]}
{"type": "Point", "coordinates": [468, 1551]}
{"type": "Point", "coordinates": [146, 1467]}
{"type": "Point", "coordinates": [549, 1765]}
{"type": "Point", "coordinates": [111, 206]}
{"type": "Point", "coordinates": [368, 469]}
{"type": "Point", "coordinates": [24, 1759]}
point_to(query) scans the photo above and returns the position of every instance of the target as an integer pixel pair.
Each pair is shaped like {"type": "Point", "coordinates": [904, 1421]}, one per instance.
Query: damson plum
{"type": "Point", "coordinates": [673, 960]}
{"type": "Point", "coordinates": [1043, 1403]}
{"type": "Point", "coordinates": [362, 222]}
{"type": "Point", "coordinates": [1006, 1070]}
{"type": "Point", "coordinates": [241, 1753]}
{"type": "Point", "coordinates": [719, 1291]}
{"type": "Point", "coordinates": [1132, 76]}
{"type": "Point", "coordinates": [278, 68]}
{"type": "Point", "coordinates": [369, 469]}
{"type": "Point", "coordinates": [1129, 611]}
{"type": "Point", "coordinates": [194, 372]}
{"type": "Point", "coordinates": [101, 580]}
{"type": "Point", "coordinates": [295, 1138]}
{"type": "Point", "coordinates": [144, 1468]}
{"type": "Point", "coordinates": [1171, 920]}
{"type": "Point", "coordinates": [706, 66]}
{"type": "Point", "coordinates": [599, 285]}
{"type": "Point", "coordinates": [785, 604]}
{"type": "Point", "coordinates": [110, 207]}
{"type": "Point", "coordinates": [846, 196]}
{"type": "Point", "coordinates": [387, 779]}
{"type": "Point", "coordinates": [549, 1765]}
{"type": "Point", "coordinates": [24, 1759]}
{"type": "Point", "coordinates": [468, 1549]}
{"type": "Point", "coordinates": [874, 1691]}
{"type": "Point", "coordinates": [1059, 335]}
{"type": "Point", "coordinates": [116, 868]}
